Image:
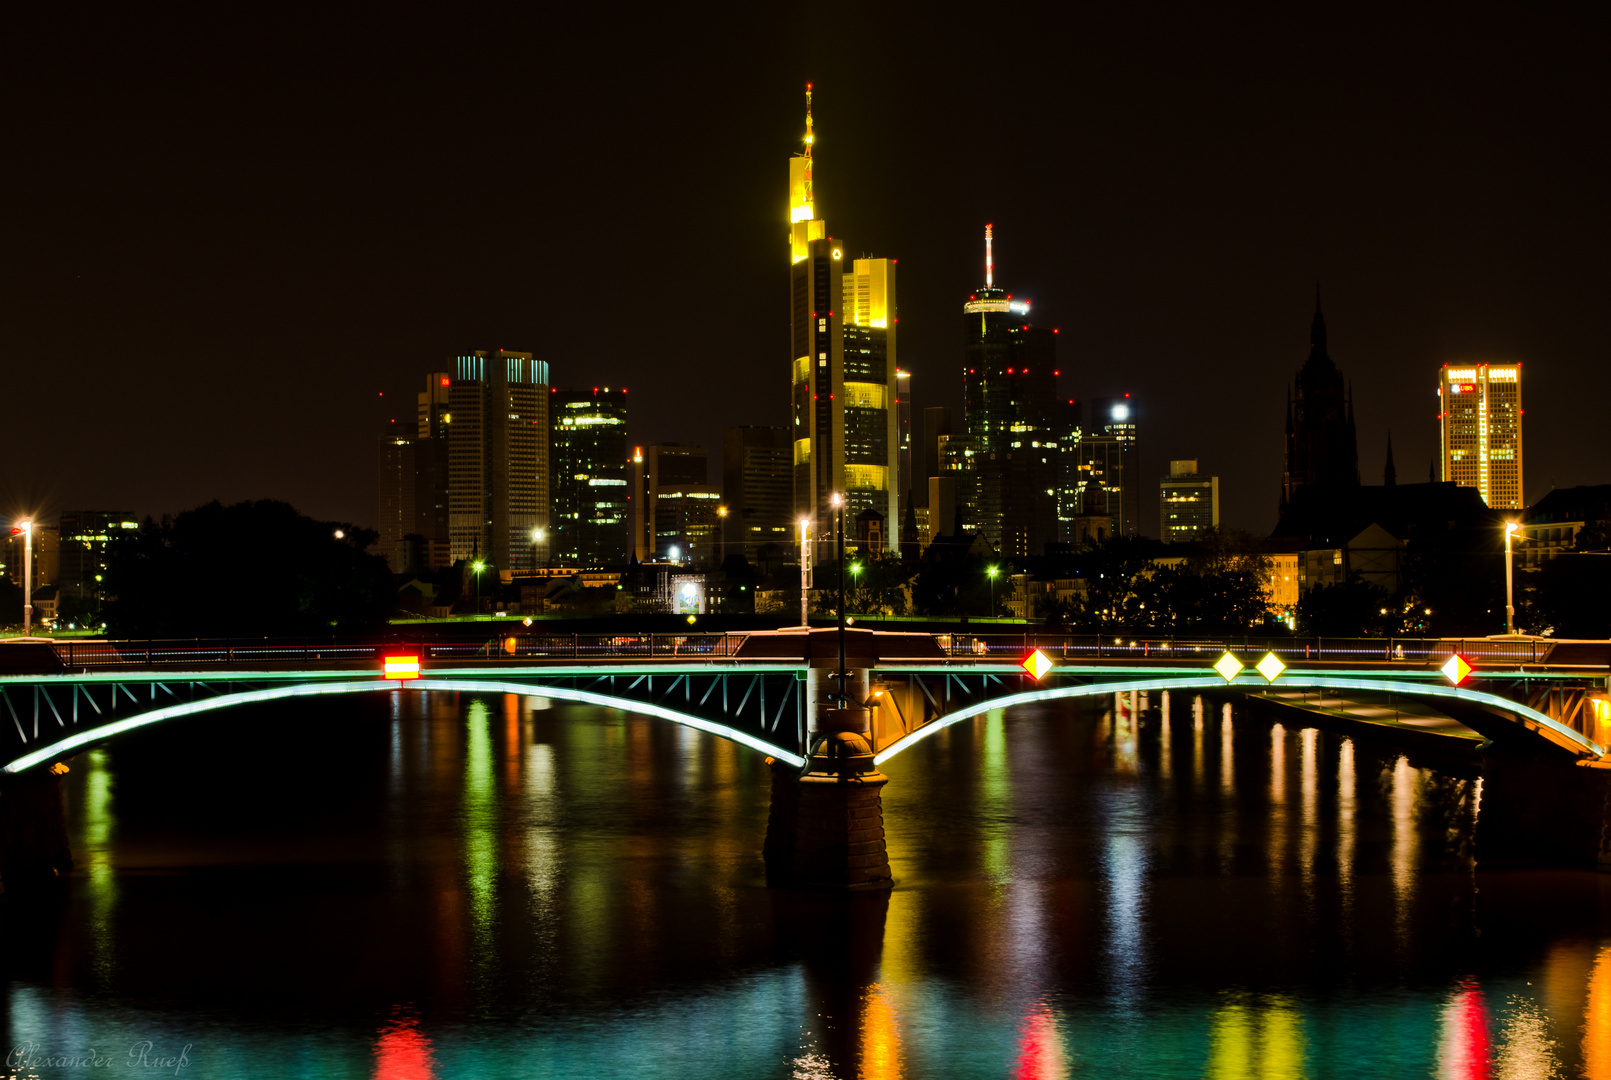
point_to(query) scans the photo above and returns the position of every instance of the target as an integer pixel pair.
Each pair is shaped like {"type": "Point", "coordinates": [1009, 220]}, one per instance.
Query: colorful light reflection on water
{"type": "Point", "coordinates": [512, 887]}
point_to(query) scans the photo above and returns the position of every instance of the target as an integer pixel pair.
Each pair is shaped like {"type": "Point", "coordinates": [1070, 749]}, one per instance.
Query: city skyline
{"type": "Point", "coordinates": [1177, 262]}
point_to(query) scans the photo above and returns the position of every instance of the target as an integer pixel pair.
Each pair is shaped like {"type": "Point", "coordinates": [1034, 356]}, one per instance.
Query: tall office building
{"type": "Point", "coordinates": [587, 444]}
{"type": "Point", "coordinates": [656, 469]}
{"type": "Point", "coordinates": [756, 489]}
{"type": "Point", "coordinates": [1116, 419]}
{"type": "Point", "coordinates": [1009, 381]}
{"type": "Point", "coordinates": [1188, 503]}
{"type": "Point", "coordinates": [904, 487]}
{"type": "Point", "coordinates": [397, 494]}
{"type": "Point", "coordinates": [496, 420]}
{"type": "Point", "coordinates": [1480, 411]}
{"type": "Point", "coordinates": [1321, 451]}
{"type": "Point", "coordinates": [871, 411]}
{"type": "Point", "coordinates": [83, 537]}
{"type": "Point", "coordinates": [843, 359]}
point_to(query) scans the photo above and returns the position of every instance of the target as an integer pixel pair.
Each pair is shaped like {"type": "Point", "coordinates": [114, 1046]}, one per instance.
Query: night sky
{"type": "Point", "coordinates": [225, 235]}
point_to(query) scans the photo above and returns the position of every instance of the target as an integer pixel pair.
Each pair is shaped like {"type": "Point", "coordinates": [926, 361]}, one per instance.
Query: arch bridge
{"type": "Point", "coordinates": [765, 689]}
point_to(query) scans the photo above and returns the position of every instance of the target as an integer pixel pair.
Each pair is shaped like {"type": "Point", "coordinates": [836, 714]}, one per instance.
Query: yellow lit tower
{"type": "Point", "coordinates": [842, 339]}
{"type": "Point", "coordinates": [1479, 409]}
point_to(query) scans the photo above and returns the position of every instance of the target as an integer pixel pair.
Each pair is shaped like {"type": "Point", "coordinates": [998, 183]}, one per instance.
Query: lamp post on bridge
{"type": "Point", "coordinates": [991, 573]}
{"type": "Point", "coordinates": [26, 530]}
{"type": "Point", "coordinates": [1511, 529]}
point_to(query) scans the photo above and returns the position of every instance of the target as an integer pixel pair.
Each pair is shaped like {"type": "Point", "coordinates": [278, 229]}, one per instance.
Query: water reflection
{"type": "Point", "coordinates": [506, 887]}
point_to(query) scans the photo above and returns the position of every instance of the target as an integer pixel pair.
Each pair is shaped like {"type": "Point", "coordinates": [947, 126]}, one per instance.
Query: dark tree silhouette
{"type": "Point", "coordinates": [255, 569]}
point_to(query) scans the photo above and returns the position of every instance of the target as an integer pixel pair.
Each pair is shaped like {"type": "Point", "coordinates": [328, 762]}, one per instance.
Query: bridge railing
{"type": "Point", "coordinates": [113, 655]}
{"type": "Point", "coordinates": [1195, 649]}
{"type": "Point", "coordinates": [1207, 649]}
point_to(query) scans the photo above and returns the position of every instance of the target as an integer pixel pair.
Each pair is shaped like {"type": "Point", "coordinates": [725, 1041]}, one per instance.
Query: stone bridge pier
{"type": "Point", "coordinates": [33, 829]}
{"type": "Point", "coordinates": [826, 826]}
{"type": "Point", "coordinates": [1543, 810]}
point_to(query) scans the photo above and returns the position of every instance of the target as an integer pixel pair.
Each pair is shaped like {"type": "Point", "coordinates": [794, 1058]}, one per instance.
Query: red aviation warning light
{"type": "Point", "coordinates": [402, 668]}
{"type": "Point", "coordinates": [1037, 664]}
{"type": "Point", "coordinates": [1456, 669]}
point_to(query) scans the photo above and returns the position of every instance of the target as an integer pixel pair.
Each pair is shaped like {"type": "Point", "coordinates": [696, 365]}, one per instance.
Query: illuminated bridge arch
{"type": "Point", "coordinates": [730, 704]}
{"type": "Point", "coordinates": [1546, 731]}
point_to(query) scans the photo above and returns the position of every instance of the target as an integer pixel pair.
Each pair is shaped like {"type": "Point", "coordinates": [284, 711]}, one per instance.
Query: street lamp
{"type": "Point", "coordinates": [1511, 529]}
{"type": "Point", "coordinates": [841, 674]}
{"type": "Point", "coordinates": [805, 573]}
{"type": "Point", "coordinates": [538, 535]}
{"type": "Point", "coordinates": [855, 573]}
{"type": "Point", "coordinates": [721, 525]}
{"type": "Point", "coordinates": [476, 566]}
{"type": "Point", "coordinates": [992, 572]}
{"type": "Point", "coordinates": [26, 530]}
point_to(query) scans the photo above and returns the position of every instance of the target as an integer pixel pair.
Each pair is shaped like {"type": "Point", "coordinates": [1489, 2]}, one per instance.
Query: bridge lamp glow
{"type": "Point", "coordinates": [1037, 664]}
{"type": "Point", "coordinates": [1456, 669]}
{"type": "Point", "coordinates": [1228, 666]}
{"type": "Point", "coordinates": [1270, 667]}
{"type": "Point", "coordinates": [402, 668]}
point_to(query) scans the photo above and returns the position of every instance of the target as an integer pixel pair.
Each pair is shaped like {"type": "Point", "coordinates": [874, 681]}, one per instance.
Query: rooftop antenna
{"type": "Point", "coordinates": [989, 262]}
{"type": "Point", "coordinates": [810, 138]}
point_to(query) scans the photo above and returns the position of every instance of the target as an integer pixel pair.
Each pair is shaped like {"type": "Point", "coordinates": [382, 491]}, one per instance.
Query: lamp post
{"type": "Point", "coordinates": [538, 535]}
{"type": "Point", "coordinates": [991, 573]}
{"type": "Point", "coordinates": [476, 566]}
{"type": "Point", "coordinates": [839, 532]}
{"type": "Point", "coordinates": [855, 573]}
{"type": "Point", "coordinates": [805, 573]}
{"type": "Point", "coordinates": [26, 529]}
{"type": "Point", "coordinates": [1511, 529]}
{"type": "Point", "coordinates": [721, 525]}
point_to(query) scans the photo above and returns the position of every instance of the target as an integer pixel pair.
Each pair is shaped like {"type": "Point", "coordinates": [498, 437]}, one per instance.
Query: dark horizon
{"type": "Point", "coordinates": [232, 237]}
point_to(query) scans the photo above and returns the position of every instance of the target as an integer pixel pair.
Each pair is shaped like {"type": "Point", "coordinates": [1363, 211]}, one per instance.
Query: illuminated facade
{"type": "Point", "coordinates": [843, 365]}
{"type": "Point", "coordinates": [83, 538]}
{"type": "Point", "coordinates": [498, 481]}
{"type": "Point", "coordinates": [1115, 421]}
{"type": "Point", "coordinates": [1480, 411]}
{"type": "Point", "coordinates": [1009, 381]}
{"type": "Point", "coordinates": [656, 469]}
{"type": "Point", "coordinates": [1188, 503]}
{"type": "Point", "coordinates": [588, 448]}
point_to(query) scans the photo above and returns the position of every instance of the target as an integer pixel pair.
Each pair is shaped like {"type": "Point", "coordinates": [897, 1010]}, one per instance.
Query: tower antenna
{"type": "Point", "coordinates": [810, 138]}
{"type": "Point", "coordinates": [990, 270]}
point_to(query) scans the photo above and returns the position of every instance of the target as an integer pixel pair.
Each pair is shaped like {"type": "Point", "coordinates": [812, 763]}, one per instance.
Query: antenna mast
{"type": "Point", "coordinates": [989, 262]}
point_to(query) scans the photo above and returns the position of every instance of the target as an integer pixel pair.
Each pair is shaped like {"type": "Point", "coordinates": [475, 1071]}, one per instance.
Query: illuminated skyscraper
{"type": "Point", "coordinates": [1188, 503]}
{"type": "Point", "coordinates": [588, 447]}
{"type": "Point", "coordinates": [842, 349]}
{"type": "Point", "coordinates": [496, 420]}
{"type": "Point", "coordinates": [1009, 382]}
{"type": "Point", "coordinates": [1480, 410]}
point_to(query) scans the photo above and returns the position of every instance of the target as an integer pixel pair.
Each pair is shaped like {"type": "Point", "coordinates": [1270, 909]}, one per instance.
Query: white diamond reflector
{"type": "Point", "coordinates": [1228, 667]}
{"type": "Point", "coordinates": [1271, 667]}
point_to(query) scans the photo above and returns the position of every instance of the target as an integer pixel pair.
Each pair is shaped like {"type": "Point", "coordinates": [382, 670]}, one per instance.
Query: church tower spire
{"type": "Point", "coordinates": [1389, 474]}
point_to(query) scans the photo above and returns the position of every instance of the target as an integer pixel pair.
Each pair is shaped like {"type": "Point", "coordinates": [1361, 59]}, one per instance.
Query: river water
{"type": "Point", "coordinates": [418, 885]}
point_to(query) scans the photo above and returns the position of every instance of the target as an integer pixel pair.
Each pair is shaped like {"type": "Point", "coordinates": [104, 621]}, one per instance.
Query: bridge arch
{"type": "Point", "coordinates": [87, 737]}
{"type": "Point", "coordinates": [1563, 736]}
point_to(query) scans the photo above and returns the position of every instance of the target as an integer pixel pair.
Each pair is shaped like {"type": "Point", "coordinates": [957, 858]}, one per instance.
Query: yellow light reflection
{"type": "Point", "coordinates": [1405, 782]}
{"type": "Point", "coordinates": [1597, 1020]}
{"type": "Point", "coordinates": [997, 790]}
{"type": "Point", "coordinates": [97, 862]}
{"type": "Point", "coordinates": [880, 1036]}
{"type": "Point", "coordinates": [479, 817]}
{"type": "Point", "coordinates": [1260, 1037]}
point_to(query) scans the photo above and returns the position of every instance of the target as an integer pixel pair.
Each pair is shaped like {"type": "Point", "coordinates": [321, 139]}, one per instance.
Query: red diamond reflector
{"type": "Point", "coordinates": [1456, 669]}
{"type": "Point", "coordinates": [402, 667]}
{"type": "Point", "coordinates": [1037, 664]}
